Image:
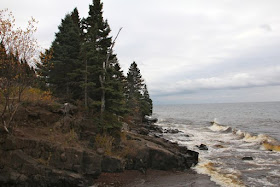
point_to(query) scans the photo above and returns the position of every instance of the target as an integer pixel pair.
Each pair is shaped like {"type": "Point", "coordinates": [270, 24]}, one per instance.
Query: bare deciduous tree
{"type": "Point", "coordinates": [17, 45]}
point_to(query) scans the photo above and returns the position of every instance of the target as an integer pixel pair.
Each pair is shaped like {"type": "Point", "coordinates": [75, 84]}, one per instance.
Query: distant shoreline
{"type": "Point", "coordinates": [241, 102]}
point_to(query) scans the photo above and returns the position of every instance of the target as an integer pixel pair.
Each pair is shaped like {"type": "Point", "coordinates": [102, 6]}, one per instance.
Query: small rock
{"type": "Point", "coordinates": [63, 157]}
{"type": "Point", "coordinates": [14, 176]}
{"type": "Point", "coordinates": [157, 135]}
{"type": "Point", "coordinates": [219, 146]}
{"type": "Point", "coordinates": [33, 115]}
{"type": "Point", "coordinates": [124, 127]}
{"type": "Point", "coordinates": [69, 109]}
{"type": "Point", "coordinates": [143, 131]}
{"type": "Point", "coordinates": [100, 151]}
{"type": "Point", "coordinates": [171, 131]}
{"type": "Point", "coordinates": [247, 158]}
{"type": "Point", "coordinates": [22, 178]}
{"type": "Point", "coordinates": [202, 147]}
{"type": "Point", "coordinates": [76, 168]}
{"type": "Point", "coordinates": [155, 128]}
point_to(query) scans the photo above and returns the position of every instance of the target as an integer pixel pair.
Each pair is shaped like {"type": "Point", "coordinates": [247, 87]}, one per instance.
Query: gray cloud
{"type": "Point", "coordinates": [258, 78]}
{"type": "Point", "coordinates": [191, 51]}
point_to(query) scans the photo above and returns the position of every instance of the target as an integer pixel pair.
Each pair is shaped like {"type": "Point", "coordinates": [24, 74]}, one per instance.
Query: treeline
{"type": "Point", "coordinates": [80, 66]}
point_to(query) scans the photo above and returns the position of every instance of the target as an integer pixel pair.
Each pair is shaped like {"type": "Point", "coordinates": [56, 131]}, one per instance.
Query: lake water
{"type": "Point", "coordinates": [231, 132]}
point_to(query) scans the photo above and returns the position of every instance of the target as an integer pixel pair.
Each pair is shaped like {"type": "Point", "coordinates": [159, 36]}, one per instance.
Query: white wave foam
{"type": "Point", "coordinates": [216, 121]}
{"type": "Point", "coordinates": [219, 128]}
{"type": "Point", "coordinates": [229, 178]}
{"type": "Point", "coordinates": [255, 138]}
{"type": "Point", "coordinates": [216, 127]}
{"type": "Point", "coordinates": [275, 173]}
{"type": "Point", "coordinates": [266, 162]}
{"type": "Point", "coordinates": [262, 181]}
{"type": "Point", "coordinates": [221, 148]}
{"type": "Point", "coordinates": [266, 142]}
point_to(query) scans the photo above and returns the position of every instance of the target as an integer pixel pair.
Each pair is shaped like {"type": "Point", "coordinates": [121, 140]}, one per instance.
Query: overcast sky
{"type": "Point", "coordinates": [188, 51]}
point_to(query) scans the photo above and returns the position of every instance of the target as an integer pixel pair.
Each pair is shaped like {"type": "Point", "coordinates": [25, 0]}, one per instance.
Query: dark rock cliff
{"type": "Point", "coordinates": [47, 148]}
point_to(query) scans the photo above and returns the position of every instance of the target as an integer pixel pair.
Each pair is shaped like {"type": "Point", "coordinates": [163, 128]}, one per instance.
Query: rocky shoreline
{"type": "Point", "coordinates": [36, 154]}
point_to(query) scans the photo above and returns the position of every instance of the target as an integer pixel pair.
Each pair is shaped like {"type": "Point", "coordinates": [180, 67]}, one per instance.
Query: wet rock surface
{"type": "Point", "coordinates": [157, 153]}
{"type": "Point", "coordinates": [171, 131]}
{"type": "Point", "coordinates": [202, 147]}
{"type": "Point", "coordinates": [247, 158]}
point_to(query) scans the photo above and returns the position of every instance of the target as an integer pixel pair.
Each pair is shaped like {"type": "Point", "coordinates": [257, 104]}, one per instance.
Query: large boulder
{"type": "Point", "coordinates": [112, 164]}
{"type": "Point", "coordinates": [143, 131]}
{"type": "Point", "coordinates": [148, 152]}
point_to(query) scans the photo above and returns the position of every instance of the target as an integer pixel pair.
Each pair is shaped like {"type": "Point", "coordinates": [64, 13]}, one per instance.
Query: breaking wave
{"type": "Point", "coordinates": [266, 142]}
{"type": "Point", "coordinates": [223, 161]}
{"type": "Point", "coordinates": [220, 128]}
{"type": "Point", "coordinates": [229, 177]}
{"type": "Point", "coordinates": [243, 144]}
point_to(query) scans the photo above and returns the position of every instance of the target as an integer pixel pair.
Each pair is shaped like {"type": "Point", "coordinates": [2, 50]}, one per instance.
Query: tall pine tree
{"type": "Point", "coordinates": [96, 46]}
{"type": "Point", "coordinates": [104, 71]}
{"type": "Point", "coordinates": [138, 99]}
{"type": "Point", "coordinates": [43, 69]}
{"type": "Point", "coordinates": [115, 82]}
{"type": "Point", "coordinates": [146, 102]}
{"type": "Point", "coordinates": [63, 76]}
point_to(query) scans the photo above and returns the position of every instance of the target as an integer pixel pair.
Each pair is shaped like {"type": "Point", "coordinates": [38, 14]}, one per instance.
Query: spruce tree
{"type": "Point", "coordinates": [43, 69]}
{"type": "Point", "coordinates": [135, 82]}
{"type": "Point", "coordinates": [96, 46]}
{"type": "Point", "coordinates": [76, 19]}
{"type": "Point", "coordinates": [138, 98]}
{"type": "Point", "coordinates": [63, 76]}
{"type": "Point", "coordinates": [134, 88]}
{"type": "Point", "coordinates": [146, 102]}
{"type": "Point", "coordinates": [115, 98]}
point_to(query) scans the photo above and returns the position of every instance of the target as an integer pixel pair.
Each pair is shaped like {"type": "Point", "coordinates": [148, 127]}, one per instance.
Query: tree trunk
{"type": "Point", "coordinates": [102, 79]}
{"type": "Point", "coordinates": [86, 94]}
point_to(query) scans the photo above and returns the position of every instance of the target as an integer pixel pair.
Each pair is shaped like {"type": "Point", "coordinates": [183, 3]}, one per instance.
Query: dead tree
{"type": "Point", "coordinates": [102, 78]}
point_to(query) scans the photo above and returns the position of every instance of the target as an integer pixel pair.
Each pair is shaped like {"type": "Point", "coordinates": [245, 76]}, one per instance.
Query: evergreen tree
{"type": "Point", "coordinates": [43, 69]}
{"type": "Point", "coordinates": [76, 20]}
{"type": "Point", "coordinates": [115, 98]}
{"type": "Point", "coordinates": [63, 76]}
{"type": "Point", "coordinates": [146, 102]}
{"type": "Point", "coordinates": [135, 82]}
{"type": "Point", "coordinates": [95, 50]}
{"type": "Point", "coordinates": [138, 99]}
